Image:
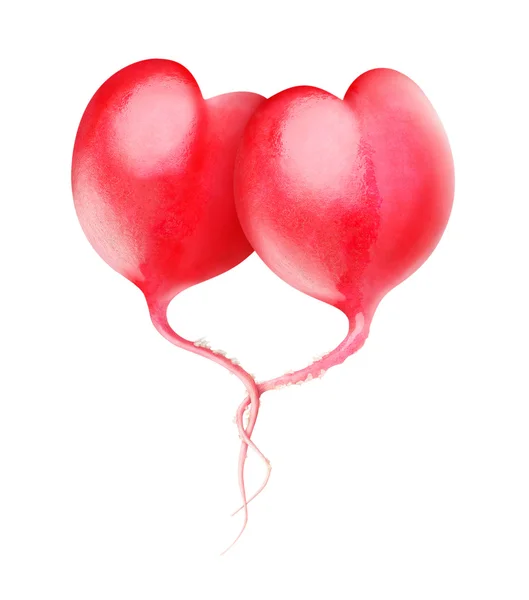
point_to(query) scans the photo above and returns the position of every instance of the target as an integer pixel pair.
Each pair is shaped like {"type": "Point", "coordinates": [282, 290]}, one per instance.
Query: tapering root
{"type": "Point", "coordinates": [158, 313]}
{"type": "Point", "coordinates": [353, 341]}
{"type": "Point", "coordinates": [246, 442]}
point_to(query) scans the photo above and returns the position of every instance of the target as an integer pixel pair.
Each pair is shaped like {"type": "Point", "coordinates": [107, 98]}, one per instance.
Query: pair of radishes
{"type": "Point", "coordinates": [343, 199]}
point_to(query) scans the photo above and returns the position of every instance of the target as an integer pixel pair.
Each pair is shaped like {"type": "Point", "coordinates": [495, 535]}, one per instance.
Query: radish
{"type": "Point", "coordinates": [344, 199]}
{"type": "Point", "coordinates": [152, 181]}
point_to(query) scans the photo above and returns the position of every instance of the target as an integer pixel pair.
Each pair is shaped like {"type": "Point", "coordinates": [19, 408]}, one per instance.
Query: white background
{"type": "Point", "coordinates": [402, 474]}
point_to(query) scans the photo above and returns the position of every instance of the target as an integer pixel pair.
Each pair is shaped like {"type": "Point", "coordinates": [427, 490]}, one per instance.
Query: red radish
{"type": "Point", "coordinates": [344, 199]}
{"type": "Point", "coordinates": [152, 180]}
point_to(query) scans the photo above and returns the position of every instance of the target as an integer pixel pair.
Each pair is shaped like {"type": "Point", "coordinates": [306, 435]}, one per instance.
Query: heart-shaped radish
{"type": "Point", "coordinates": [152, 179]}
{"type": "Point", "coordinates": [344, 199]}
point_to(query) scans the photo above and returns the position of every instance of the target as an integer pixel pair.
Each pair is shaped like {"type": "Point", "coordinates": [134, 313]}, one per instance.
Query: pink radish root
{"type": "Point", "coordinates": [354, 340]}
{"type": "Point", "coordinates": [158, 313]}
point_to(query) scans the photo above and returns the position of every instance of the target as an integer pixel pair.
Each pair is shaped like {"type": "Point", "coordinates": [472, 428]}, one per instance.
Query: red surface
{"type": "Point", "coordinates": [344, 199]}
{"type": "Point", "coordinates": [152, 177]}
